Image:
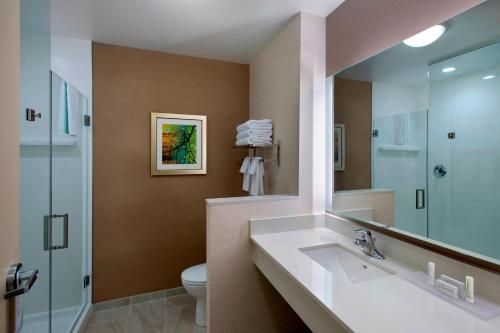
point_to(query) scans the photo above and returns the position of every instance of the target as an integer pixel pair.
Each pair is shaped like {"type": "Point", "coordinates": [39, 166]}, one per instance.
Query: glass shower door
{"type": "Point", "coordinates": [34, 159]}
{"type": "Point", "coordinates": [69, 205]}
{"type": "Point", "coordinates": [399, 163]}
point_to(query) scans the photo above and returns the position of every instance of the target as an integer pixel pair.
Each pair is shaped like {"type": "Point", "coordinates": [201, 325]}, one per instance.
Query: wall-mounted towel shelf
{"type": "Point", "coordinates": [254, 148]}
{"type": "Point", "coordinates": [409, 148]}
{"type": "Point", "coordinates": [45, 141]}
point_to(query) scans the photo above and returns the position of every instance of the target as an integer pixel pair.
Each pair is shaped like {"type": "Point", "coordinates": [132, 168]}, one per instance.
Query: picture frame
{"type": "Point", "coordinates": [339, 147]}
{"type": "Point", "coordinates": [178, 144]}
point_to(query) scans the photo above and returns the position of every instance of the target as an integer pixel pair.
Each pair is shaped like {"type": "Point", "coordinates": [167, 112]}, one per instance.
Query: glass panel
{"type": "Point", "coordinates": [399, 163]}
{"type": "Point", "coordinates": [464, 136]}
{"type": "Point", "coordinates": [35, 158]}
{"type": "Point", "coordinates": [69, 186]}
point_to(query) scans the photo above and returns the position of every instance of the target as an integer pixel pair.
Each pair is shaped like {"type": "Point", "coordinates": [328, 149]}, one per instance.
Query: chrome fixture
{"type": "Point", "coordinates": [420, 198]}
{"type": "Point", "coordinates": [32, 114]}
{"type": "Point", "coordinates": [367, 244]}
{"type": "Point", "coordinates": [18, 282]}
{"type": "Point", "coordinates": [440, 171]}
{"type": "Point", "coordinates": [47, 232]}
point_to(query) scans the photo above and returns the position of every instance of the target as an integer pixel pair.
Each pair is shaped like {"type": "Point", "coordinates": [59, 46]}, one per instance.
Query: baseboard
{"type": "Point", "coordinates": [115, 303]}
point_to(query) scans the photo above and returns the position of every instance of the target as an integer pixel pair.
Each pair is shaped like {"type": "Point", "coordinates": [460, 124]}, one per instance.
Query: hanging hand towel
{"type": "Point", "coordinates": [73, 110]}
{"type": "Point", "coordinates": [246, 176]}
{"type": "Point", "coordinates": [63, 109]}
{"type": "Point", "coordinates": [69, 111]}
{"type": "Point", "coordinates": [256, 170]}
{"type": "Point", "coordinates": [401, 129]}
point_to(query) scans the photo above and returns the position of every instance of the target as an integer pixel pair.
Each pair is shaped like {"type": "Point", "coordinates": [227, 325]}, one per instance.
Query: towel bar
{"type": "Point", "coordinates": [254, 148]}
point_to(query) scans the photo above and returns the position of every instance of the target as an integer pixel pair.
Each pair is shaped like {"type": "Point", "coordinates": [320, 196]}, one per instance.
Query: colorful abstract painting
{"type": "Point", "coordinates": [178, 144]}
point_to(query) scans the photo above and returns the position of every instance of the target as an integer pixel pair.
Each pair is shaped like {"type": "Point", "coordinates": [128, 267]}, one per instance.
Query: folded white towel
{"type": "Point", "coordinates": [246, 127]}
{"type": "Point", "coordinates": [254, 133]}
{"type": "Point", "coordinates": [256, 170]}
{"type": "Point", "coordinates": [255, 124]}
{"type": "Point", "coordinates": [253, 141]}
{"type": "Point", "coordinates": [246, 176]}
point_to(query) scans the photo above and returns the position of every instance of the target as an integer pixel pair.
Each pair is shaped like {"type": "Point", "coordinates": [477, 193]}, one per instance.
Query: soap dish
{"type": "Point", "coordinates": [481, 307]}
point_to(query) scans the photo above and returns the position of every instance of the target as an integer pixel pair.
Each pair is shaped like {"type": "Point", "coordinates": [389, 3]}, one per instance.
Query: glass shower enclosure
{"type": "Point", "coordinates": [54, 182]}
{"type": "Point", "coordinates": [443, 162]}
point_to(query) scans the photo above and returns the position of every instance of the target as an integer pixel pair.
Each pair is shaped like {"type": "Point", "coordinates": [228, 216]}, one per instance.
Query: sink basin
{"type": "Point", "coordinates": [345, 264]}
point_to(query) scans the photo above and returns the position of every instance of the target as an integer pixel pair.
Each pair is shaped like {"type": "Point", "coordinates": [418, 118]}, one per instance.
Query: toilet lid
{"type": "Point", "coordinates": [195, 274]}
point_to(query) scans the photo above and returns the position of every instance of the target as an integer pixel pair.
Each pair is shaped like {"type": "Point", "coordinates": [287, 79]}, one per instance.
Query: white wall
{"type": "Point", "coordinates": [71, 59]}
{"type": "Point", "coordinates": [389, 99]}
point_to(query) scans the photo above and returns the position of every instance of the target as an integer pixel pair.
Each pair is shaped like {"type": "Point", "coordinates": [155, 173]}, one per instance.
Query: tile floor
{"type": "Point", "coordinates": [174, 314]}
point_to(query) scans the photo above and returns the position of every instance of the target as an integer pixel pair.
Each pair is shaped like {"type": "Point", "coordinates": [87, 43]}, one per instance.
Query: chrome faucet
{"type": "Point", "coordinates": [367, 244]}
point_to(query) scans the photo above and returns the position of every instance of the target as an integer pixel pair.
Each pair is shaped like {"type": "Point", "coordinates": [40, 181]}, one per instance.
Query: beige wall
{"type": "Point", "coordinates": [9, 148]}
{"type": "Point", "coordinates": [148, 229]}
{"type": "Point", "coordinates": [353, 108]}
{"type": "Point", "coordinates": [240, 299]}
{"type": "Point", "coordinates": [274, 94]}
{"type": "Point", "coordinates": [359, 29]}
{"type": "Point", "coordinates": [381, 201]}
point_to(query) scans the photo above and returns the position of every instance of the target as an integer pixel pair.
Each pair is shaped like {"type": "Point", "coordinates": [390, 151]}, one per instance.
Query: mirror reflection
{"type": "Point", "coordinates": [421, 123]}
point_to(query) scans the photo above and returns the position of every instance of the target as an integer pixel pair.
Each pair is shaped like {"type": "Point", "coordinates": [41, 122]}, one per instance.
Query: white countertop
{"type": "Point", "coordinates": [388, 304]}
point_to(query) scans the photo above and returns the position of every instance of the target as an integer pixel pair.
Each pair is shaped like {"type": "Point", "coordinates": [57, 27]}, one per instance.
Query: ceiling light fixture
{"type": "Point", "coordinates": [426, 37]}
{"type": "Point", "coordinates": [488, 77]}
{"type": "Point", "coordinates": [448, 69]}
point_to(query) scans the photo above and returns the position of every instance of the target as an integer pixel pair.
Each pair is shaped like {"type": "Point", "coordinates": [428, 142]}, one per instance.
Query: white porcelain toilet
{"type": "Point", "coordinates": [194, 280]}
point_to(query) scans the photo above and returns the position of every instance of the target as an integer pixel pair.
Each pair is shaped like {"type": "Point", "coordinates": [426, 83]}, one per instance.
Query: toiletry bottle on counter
{"type": "Point", "coordinates": [431, 272]}
{"type": "Point", "coordinates": [469, 289]}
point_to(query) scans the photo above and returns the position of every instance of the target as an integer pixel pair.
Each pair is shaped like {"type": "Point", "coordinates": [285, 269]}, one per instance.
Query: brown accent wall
{"type": "Point", "coordinates": [9, 149]}
{"type": "Point", "coordinates": [148, 229]}
{"type": "Point", "coordinates": [353, 108]}
{"type": "Point", "coordinates": [359, 29]}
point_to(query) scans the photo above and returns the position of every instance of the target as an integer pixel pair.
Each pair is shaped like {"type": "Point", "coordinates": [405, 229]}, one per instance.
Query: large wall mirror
{"type": "Point", "coordinates": [422, 120]}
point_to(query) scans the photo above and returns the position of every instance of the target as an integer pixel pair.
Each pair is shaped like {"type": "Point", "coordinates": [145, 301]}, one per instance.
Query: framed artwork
{"type": "Point", "coordinates": [339, 147]}
{"type": "Point", "coordinates": [178, 144]}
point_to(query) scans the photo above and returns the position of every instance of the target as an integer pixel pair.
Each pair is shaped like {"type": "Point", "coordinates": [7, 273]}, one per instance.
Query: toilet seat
{"type": "Point", "coordinates": [196, 275]}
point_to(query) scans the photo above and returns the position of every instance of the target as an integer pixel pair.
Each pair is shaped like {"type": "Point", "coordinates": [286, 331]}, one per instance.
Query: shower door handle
{"type": "Point", "coordinates": [420, 199]}
{"type": "Point", "coordinates": [48, 230]}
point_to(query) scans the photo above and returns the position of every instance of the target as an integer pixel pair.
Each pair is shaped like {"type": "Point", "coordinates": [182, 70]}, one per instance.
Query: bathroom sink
{"type": "Point", "coordinates": [345, 264]}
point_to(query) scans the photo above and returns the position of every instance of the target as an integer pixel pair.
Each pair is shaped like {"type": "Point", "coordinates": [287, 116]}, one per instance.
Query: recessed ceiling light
{"type": "Point", "coordinates": [488, 77]}
{"type": "Point", "coordinates": [426, 37]}
{"type": "Point", "coordinates": [448, 69]}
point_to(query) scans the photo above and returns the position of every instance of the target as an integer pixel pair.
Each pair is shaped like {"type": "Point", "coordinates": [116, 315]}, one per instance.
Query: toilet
{"type": "Point", "coordinates": [194, 280]}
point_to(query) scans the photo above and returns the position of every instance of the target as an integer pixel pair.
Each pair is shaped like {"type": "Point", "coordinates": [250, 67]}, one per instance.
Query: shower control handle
{"type": "Point", "coordinates": [440, 171]}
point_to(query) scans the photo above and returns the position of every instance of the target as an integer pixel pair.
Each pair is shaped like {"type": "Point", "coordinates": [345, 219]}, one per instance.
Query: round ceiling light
{"type": "Point", "coordinates": [488, 77]}
{"type": "Point", "coordinates": [426, 37]}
